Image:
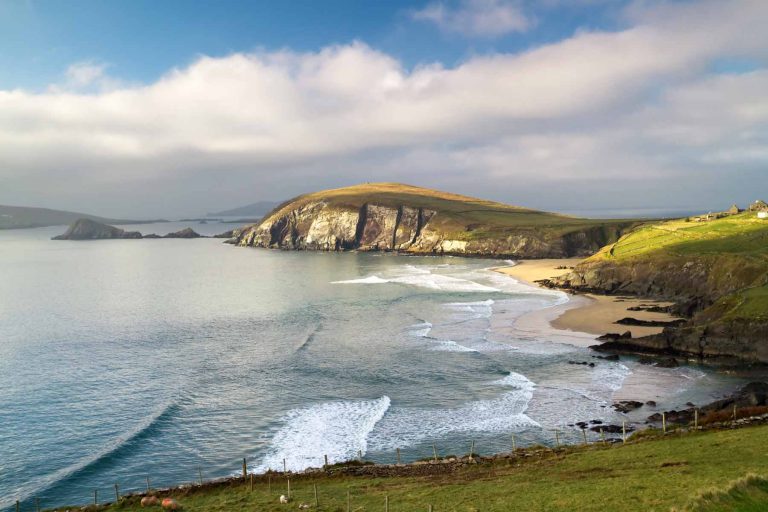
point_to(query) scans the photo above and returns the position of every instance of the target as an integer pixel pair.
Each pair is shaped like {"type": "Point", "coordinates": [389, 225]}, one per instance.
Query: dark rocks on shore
{"type": "Point", "coordinates": [614, 336]}
{"type": "Point", "coordinates": [583, 363]}
{"type": "Point", "coordinates": [650, 323]}
{"type": "Point", "coordinates": [226, 234]}
{"type": "Point", "coordinates": [612, 429]}
{"type": "Point", "coordinates": [625, 406]}
{"type": "Point", "coordinates": [651, 403]}
{"type": "Point", "coordinates": [650, 309]}
{"type": "Point", "coordinates": [754, 394]}
{"type": "Point", "coordinates": [609, 357]}
{"type": "Point", "coordinates": [659, 362]}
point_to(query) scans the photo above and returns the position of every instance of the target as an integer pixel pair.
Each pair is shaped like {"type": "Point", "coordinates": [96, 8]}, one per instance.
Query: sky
{"type": "Point", "coordinates": [159, 109]}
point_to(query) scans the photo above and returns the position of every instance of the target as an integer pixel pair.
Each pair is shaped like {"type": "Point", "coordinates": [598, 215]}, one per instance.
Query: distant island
{"type": "Point", "coordinates": [23, 217]}
{"type": "Point", "coordinates": [257, 210]}
{"type": "Point", "coordinates": [88, 229]}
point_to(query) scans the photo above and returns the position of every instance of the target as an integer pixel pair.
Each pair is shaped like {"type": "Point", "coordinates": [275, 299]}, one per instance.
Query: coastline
{"type": "Point", "coordinates": [585, 316]}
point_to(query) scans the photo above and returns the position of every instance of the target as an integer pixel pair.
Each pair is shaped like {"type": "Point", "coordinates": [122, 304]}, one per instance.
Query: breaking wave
{"type": "Point", "coordinates": [336, 429]}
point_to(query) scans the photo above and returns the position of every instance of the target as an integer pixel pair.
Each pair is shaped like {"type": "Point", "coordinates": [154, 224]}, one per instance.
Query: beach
{"type": "Point", "coordinates": [583, 313]}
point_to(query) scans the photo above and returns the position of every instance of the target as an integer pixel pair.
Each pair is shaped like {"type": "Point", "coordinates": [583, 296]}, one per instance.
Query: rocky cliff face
{"type": "Point", "coordinates": [318, 225]}
{"type": "Point", "coordinates": [695, 284]}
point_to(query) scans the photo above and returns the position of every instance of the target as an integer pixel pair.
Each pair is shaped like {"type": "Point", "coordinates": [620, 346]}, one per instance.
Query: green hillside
{"type": "Point", "coordinates": [735, 249]}
{"type": "Point", "coordinates": [702, 472]}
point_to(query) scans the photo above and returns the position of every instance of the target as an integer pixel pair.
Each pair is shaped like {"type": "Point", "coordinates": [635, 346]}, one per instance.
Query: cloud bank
{"type": "Point", "coordinates": [600, 117]}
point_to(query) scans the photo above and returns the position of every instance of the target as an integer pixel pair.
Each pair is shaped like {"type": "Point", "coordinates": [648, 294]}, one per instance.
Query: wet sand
{"type": "Point", "coordinates": [587, 313]}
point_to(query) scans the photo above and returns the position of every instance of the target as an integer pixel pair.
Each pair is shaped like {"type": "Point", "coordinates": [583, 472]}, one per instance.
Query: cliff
{"type": "Point", "coordinates": [396, 217]}
{"type": "Point", "coordinates": [87, 229]}
{"type": "Point", "coordinates": [715, 271]}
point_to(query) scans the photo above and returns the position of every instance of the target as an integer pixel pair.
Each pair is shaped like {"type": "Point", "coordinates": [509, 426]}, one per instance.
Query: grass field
{"type": "Point", "coordinates": [702, 471]}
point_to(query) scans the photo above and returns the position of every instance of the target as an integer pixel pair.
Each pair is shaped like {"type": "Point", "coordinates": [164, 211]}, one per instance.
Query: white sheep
{"type": "Point", "coordinates": [283, 499]}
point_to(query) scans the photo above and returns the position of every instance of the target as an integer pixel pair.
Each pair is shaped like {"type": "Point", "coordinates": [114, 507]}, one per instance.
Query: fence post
{"type": "Point", "coordinates": [434, 451]}
{"type": "Point", "coordinates": [269, 484]}
{"type": "Point", "coordinates": [37, 504]}
{"type": "Point", "coordinates": [285, 467]}
{"type": "Point", "coordinates": [200, 474]}
{"type": "Point", "coordinates": [360, 455]}
{"type": "Point", "coordinates": [514, 446]}
{"type": "Point", "coordinates": [557, 438]}
{"type": "Point", "coordinates": [734, 412]}
{"type": "Point", "coordinates": [623, 431]}
{"type": "Point", "coordinates": [430, 508]}
{"type": "Point", "coordinates": [251, 482]}
{"type": "Point", "coordinates": [602, 435]}
{"type": "Point", "coordinates": [17, 505]}
{"type": "Point", "coordinates": [696, 418]}
{"type": "Point", "coordinates": [326, 461]}
{"type": "Point", "coordinates": [472, 450]}
{"type": "Point", "coordinates": [289, 489]}
{"type": "Point", "coordinates": [386, 503]}
{"type": "Point", "coordinates": [117, 494]}
{"type": "Point", "coordinates": [245, 468]}
{"type": "Point", "coordinates": [664, 422]}
{"type": "Point", "coordinates": [317, 502]}
{"type": "Point", "coordinates": [95, 496]}
{"type": "Point", "coordinates": [584, 434]}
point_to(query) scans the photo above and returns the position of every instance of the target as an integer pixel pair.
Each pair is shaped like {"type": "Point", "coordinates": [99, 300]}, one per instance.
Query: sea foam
{"type": "Point", "coordinates": [336, 429]}
{"type": "Point", "coordinates": [505, 413]}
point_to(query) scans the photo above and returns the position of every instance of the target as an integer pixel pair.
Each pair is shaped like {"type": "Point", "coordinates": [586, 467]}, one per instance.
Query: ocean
{"type": "Point", "coordinates": [127, 359]}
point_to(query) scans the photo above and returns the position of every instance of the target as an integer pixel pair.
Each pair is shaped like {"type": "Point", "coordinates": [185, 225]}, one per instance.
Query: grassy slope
{"type": "Point", "coordinates": [737, 247]}
{"type": "Point", "coordinates": [652, 475]}
{"type": "Point", "coordinates": [457, 212]}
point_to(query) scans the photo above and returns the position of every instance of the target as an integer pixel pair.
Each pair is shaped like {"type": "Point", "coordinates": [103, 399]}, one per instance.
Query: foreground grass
{"type": "Point", "coordinates": [656, 474]}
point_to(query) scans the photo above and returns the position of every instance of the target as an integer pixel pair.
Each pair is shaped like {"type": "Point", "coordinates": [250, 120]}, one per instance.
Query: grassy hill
{"type": "Point", "coordinates": [734, 249]}
{"type": "Point", "coordinates": [20, 217]}
{"type": "Point", "coordinates": [716, 270]}
{"type": "Point", "coordinates": [368, 217]}
{"type": "Point", "coordinates": [703, 471]}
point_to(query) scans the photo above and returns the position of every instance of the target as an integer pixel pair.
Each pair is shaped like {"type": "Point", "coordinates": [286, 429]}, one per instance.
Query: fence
{"type": "Point", "coordinates": [283, 479]}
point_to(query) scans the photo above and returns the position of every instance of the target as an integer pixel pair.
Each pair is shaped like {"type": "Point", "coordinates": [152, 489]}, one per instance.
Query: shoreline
{"type": "Point", "coordinates": [584, 315]}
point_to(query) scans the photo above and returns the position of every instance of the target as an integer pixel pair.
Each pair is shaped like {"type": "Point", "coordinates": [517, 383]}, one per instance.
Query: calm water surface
{"type": "Point", "coordinates": [121, 359]}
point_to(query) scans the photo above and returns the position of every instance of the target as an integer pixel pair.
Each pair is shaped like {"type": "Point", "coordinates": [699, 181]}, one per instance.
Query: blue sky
{"type": "Point", "coordinates": [165, 108]}
{"type": "Point", "coordinates": [142, 39]}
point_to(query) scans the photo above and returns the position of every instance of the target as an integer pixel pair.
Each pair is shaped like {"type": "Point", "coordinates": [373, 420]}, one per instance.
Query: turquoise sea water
{"type": "Point", "coordinates": [122, 359]}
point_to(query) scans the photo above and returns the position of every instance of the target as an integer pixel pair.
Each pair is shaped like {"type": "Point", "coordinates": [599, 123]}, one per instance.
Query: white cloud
{"type": "Point", "coordinates": [477, 18]}
{"type": "Point", "coordinates": [599, 105]}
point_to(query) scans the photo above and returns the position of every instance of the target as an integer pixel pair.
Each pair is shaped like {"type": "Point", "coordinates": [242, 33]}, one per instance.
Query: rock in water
{"type": "Point", "coordinates": [184, 233]}
{"type": "Point", "coordinates": [87, 229]}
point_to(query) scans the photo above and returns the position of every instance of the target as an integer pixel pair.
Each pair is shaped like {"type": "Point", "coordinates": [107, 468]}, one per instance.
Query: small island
{"type": "Point", "coordinates": [88, 229]}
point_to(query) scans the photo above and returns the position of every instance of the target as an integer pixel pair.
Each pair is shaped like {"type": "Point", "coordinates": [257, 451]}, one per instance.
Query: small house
{"type": "Point", "coordinates": [762, 215]}
{"type": "Point", "coordinates": [734, 210]}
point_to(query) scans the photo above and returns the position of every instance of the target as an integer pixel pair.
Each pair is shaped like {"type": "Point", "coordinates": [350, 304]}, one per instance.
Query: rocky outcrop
{"type": "Point", "coordinates": [743, 340]}
{"type": "Point", "coordinates": [87, 229]}
{"type": "Point", "coordinates": [184, 233]}
{"type": "Point", "coordinates": [318, 225]}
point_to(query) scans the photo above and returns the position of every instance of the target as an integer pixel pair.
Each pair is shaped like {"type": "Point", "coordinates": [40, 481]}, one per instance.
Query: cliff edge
{"type": "Point", "coordinates": [404, 218]}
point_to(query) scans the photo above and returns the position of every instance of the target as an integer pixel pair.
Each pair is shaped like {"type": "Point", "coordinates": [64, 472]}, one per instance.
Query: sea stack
{"type": "Point", "coordinates": [87, 229]}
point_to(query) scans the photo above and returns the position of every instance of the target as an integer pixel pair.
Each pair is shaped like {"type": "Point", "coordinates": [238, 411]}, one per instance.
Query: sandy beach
{"type": "Point", "coordinates": [587, 313]}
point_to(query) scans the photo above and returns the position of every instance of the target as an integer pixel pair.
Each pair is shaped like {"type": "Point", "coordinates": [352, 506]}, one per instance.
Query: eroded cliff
{"type": "Point", "coordinates": [323, 225]}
